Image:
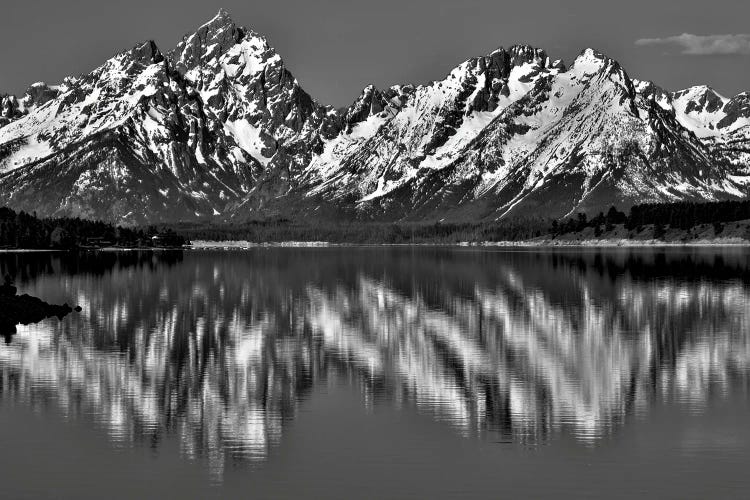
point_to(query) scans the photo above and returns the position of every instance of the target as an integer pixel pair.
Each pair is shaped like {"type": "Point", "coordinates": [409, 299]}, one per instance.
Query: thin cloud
{"type": "Point", "coordinates": [702, 45]}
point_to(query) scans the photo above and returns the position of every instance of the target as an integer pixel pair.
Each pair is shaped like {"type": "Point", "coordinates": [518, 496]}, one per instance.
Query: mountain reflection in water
{"type": "Point", "coordinates": [220, 348]}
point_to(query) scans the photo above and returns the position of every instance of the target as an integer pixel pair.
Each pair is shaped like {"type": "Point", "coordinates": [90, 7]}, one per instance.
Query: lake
{"type": "Point", "coordinates": [381, 372]}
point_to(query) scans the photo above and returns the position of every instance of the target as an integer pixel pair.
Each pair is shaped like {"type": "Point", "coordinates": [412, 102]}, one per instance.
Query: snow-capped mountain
{"type": "Point", "coordinates": [219, 128]}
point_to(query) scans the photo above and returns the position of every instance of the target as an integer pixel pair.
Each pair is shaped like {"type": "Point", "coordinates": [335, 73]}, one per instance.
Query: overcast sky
{"type": "Point", "coordinates": [336, 47]}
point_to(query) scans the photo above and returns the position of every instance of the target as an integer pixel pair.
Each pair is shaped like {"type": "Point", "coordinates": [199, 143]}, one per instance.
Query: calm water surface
{"type": "Point", "coordinates": [381, 373]}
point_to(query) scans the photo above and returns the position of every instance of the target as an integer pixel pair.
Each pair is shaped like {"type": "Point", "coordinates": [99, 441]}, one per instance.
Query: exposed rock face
{"type": "Point", "coordinates": [219, 128]}
{"type": "Point", "coordinates": [39, 94]}
{"type": "Point", "coordinates": [736, 109]}
{"type": "Point", "coordinates": [36, 95]}
{"type": "Point", "coordinates": [8, 109]}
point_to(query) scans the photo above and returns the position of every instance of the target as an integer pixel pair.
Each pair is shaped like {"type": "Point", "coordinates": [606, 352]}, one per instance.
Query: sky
{"type": "Point", "coordinates": [337, 47]}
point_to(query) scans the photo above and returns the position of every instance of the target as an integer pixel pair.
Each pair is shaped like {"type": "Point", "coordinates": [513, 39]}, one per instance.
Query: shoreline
{"type": "Point", "coordinates": [242, 245]}
{"type": "Point", "coordinates": [540, 244]}
{"type": "Point", "coordinates": [88, 250]}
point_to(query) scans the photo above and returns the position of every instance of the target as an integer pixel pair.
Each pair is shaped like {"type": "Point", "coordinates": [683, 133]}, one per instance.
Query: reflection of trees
{"type": "Point", "coordinates": [29, 266]}
{"type": "Point", "coordinates": [220, 349]}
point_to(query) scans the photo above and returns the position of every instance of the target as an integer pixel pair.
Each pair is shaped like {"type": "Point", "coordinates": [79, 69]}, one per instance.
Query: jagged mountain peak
{"type": "Point", "coordinates": [500, 61]}
{"type": "Point", "coordinates": [40, 93]}
{"type": "Point", "coordinates": [221, 22]}
{"type": "Point", "coordinates": [147, 52]}
{"type": "Point", "coordinates": [700, 99]}
{"type": "Point", "coordinates": [697, 90]}
{"type": "Point", "coordinates": [221, 18]}
{"type": "Point", "coordinates": [596, 68]}
{"type": "Point", "coordinates": [591, 60]}
{"type": "Point", "coordinates": [647, 87]}
{"type": "Point", "coordinates": [214, 39]}
{"type": "Point", "coordinates": [219, 127]}
{"type": "Point", "coordinates": [523, 54]}
{"type": "Point", "coordinates": [372, 101]}
{"type": "Point", "coordinates": [122, 66]}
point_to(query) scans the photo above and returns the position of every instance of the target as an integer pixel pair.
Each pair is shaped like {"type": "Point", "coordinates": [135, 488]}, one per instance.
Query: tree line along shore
{"type": "Point", "coordinates": [681, 222]}
{"type": "Point", "coordinates": [21, 230]}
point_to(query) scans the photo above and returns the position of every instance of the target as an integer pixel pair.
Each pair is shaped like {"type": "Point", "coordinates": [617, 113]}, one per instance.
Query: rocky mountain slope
{"type": "Point", "coordinates": [218, 128]}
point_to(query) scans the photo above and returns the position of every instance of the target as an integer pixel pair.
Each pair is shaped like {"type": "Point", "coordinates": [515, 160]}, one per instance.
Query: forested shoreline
{"type": "Point", "coordinates": [681, 215]}
{"type": "Point", "coordinates": [657, 217]}
{"type": "Point", "coordinates": [679, 220]}
{"type": "Point", "coordinates": [27, 231]}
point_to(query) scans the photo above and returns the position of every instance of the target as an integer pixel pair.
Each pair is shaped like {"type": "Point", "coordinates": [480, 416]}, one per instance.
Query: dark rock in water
{"type": "Point", "coordinates": [25, 309]}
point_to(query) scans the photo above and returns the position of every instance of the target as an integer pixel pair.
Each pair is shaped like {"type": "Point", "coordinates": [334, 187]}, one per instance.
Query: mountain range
{"type": "Point", "coordinates": [219, 129]}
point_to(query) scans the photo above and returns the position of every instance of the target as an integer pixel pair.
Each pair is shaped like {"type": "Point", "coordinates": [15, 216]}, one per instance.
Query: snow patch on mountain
{"type": "Point", "coordinates": [248, 138]}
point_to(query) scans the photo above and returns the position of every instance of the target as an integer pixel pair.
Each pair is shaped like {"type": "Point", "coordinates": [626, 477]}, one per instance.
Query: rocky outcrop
{"type": "Point", "coordinates": [9, 109]}
{"type": "Point", "coordinates": [25, 309]}
{"type": "Point", "coordinates": [738, 108]}
{"type": "Point", "coordinates": [36, 95]}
